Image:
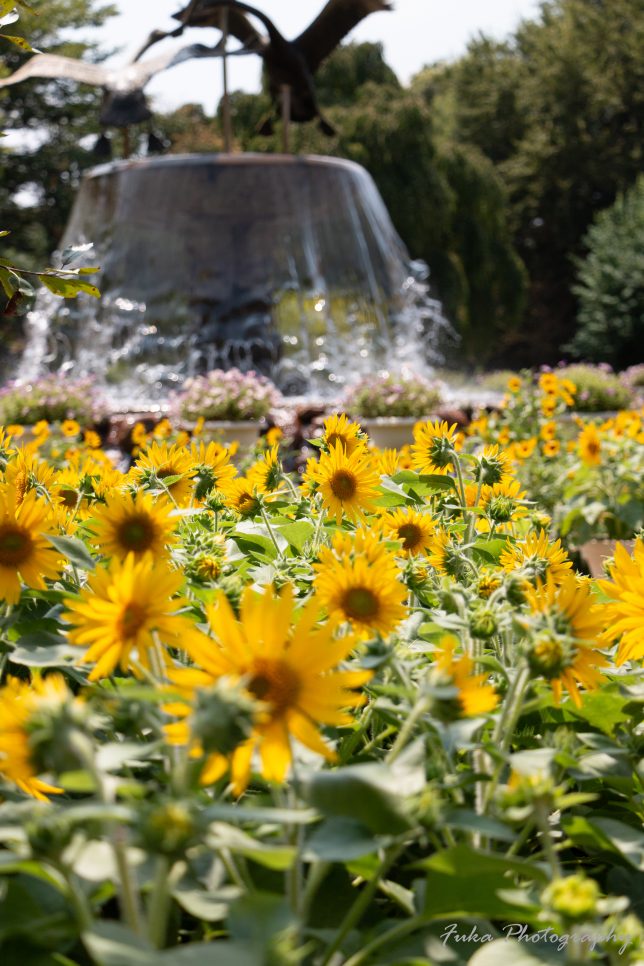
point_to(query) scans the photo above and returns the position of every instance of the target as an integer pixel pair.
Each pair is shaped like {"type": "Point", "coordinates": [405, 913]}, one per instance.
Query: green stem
{"type": "Point", "coordinates": [128, 895]}
{"type": "Point", "coordinates": [397, 932]}
{"type": "Point", "coordinates": [159, 903]}
{"type": "Point", "coordinates": [271, 534]}
{"type": "Point", "coordinates": [505, 726]}
{"type": "Point", "coordinates": [541, 818]}
{"type": "Point", "coordinates": [77, 898]}
{"type": "Point", "coordinates": [317, 536]}
{"type": "Point", "coordinates": [420, 708]}
{"type": "Point", "coordinates": [362, 902]}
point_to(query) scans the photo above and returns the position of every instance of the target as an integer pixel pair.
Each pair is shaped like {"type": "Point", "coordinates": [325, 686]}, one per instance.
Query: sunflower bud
{"type": "Point", "coordinates": [549, 654]}
{"type": "Point", "coordinates": [489, 469]}
{"type": "Point", "coordinates": [48, 835]}
{"type": "Point", "coordinates": [223, 718]}
{"type": "Point", "coordinates": [501, 508]}
{"type": "Point", "coordinates": [54, 729]}
{"type": "Point", "coordinates": [483, 623]}
{"type": "Point", "coordinates": [573, 897]}
{"type": "Point", "coordinates": [169, 828]}
{"type": "Point", "coordinates": [515, 590]}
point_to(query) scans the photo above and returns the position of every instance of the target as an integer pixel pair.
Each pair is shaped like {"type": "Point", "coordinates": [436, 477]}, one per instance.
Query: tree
{"type": "Point", "coordinates": [559, 109]}
{"type": "Point", "coordinates": [610, 285]}
{"type": "Point", "coordinates": [48, 123]}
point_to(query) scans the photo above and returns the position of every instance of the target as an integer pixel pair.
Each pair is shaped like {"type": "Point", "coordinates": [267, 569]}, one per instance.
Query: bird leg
{"type": "Point", "coordinates": [127, 143]}
{"type": "Point", "coordinates": [228, 127]}
{"type": "Point", "coordinates": [286, 117]}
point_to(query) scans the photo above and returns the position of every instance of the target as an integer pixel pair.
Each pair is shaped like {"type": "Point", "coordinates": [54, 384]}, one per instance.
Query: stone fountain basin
{"type": "Point", "coordinates": [287, 264]}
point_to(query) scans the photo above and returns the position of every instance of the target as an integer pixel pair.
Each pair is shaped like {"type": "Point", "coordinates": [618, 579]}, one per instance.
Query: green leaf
{"type": "Point", "coordinates": [111, 944]}
{"type": "Point", "coordinates": [467, 820]}
{"type": "Point", "coordinates": [278, 857]}
{"type": "Point", "coordinates": [469, 882]}
{"type": "Point", "coordinates": [507, 952]}
{"type": "Point", "coordinates": [67, 288]}
{"type": "Point", "coordinates": [297, 534]}
{"type": "Point", "coordinates": [207, 906]}
{"type": "Point", "coordinates": [238, 814]}
{"type": "Point", "coordinates": [341, 840]}
{"type": "Point", "coordinates": [604, 709]}
{"type": "Point", "coordinates": [606, 835]}
{"type": "Point", "coordinates": [53, 655]}
{"type": "Point", "coordinates": [75, 550]}
{"type": "Point", "coordinates": [221, 953]}
{"type": "Point", "coordinates": [6, 7]}
{"type": "Point", "coordinates": [18, 42]}
{"type": "Point", "coordinates": [367, 793]}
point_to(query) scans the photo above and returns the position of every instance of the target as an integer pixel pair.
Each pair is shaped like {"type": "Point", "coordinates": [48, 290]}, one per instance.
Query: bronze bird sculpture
{"type": "Point", "coordinates": [290, 64]}
{"type": "Point", "coordinates": [124, 103]}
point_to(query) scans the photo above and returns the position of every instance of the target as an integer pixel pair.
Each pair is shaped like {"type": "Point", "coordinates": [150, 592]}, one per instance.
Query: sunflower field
{"type": "Point", "coordinates": [374, 713]}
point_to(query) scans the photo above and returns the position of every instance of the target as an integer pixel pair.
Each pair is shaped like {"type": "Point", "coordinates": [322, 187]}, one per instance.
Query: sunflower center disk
{"type": "Point", "coordinates": [343, 485]}
{"type": "Point", "coordinates": [15, 546]}
{"type": "Point", "coordinates": [360, 603]}
{"type": "Point", "coordinates": [410, 535]}
{"type": "Point", "coordinates": [275, 683]}
{"type": "Point", "coordinates": [132, 619]}
{"type": "Point", "coordinates": [136, 533]}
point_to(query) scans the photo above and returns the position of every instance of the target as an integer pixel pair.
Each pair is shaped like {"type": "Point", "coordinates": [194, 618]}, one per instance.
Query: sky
{"type": "Point", "coordinates": [417, 33]}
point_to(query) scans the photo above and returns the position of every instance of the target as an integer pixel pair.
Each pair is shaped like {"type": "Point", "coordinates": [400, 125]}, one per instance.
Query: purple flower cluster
{"type": "Point", "coordinates": [226, 395]}
{"type": "Point", "coordinates": [392, 394]}
{"type": "Point", "coordinates": [52, 398]}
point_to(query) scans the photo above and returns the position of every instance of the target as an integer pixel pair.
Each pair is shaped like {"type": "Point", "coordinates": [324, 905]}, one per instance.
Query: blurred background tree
{"type": "Point", "coordinates": [49, 127]}
{"type": "Point", "coordinates": [610, 286]}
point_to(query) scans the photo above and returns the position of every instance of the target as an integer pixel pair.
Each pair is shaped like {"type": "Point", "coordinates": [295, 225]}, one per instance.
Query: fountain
{"type": "Point", "coordinates": [287, 265]}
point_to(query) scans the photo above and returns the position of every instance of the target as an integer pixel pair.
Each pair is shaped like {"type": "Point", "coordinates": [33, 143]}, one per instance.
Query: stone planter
{"type": "Point", "coordinates": [595, 552]}
{"type": "Point", "coordinates": [391, 432]}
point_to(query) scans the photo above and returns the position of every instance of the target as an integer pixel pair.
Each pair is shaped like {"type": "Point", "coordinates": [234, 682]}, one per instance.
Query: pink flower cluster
{"type": "Point", "coordinates": [52, 398]}
{"type": "Point", "coordinates": [391, 394]}
{"type": "Point", "coordinates": [226, 395]}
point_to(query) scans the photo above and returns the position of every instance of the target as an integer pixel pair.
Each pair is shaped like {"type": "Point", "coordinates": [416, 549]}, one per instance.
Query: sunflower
{"type": "Point", "coordinates": [133, 523]}
{"type": "Point", "coordinates": [286, 663]}
{"type": "Point", "coordinates": [549, 430]}
{"type": "Point", "coordinates": [70, 428]}
{"type": "Point", "coordinates": [491, 465]}
{"type": "Point", "coordinates": [537, 557]}
{"type": "Point", "coordinates": [473, 695]}
{"type": "Point", "coordinates": [551, 447]}
{"type": "Point", "coordinates": [564, 642]}
{"type": "Point", "coordinates": [363, 589]}
{"type": "Point", "coordinates": [446, 555]}
{"type": "Point", "coordinates": [412, 528]}
{"type": "Point", "coordinates": [434, 447]}
{"type": "Point", "coordinates": [243, 496]}
{"type": "Point", "coordinates": [549, 383]}
{"type": "Point", "coordinates": [514, 384]}
{"type": "Point", "coordinates": [25, 551]}
{"type": "Point", "coordinates": [339, 429]}
{"type": "Point", "coordinates": [387, 461]}
{"type": "Point", "coordinates": [548, 405]}
{"type": "Point", "coordinates": [266, 473]}
{"type": "Point", "coordinates": [589, 445]}
{"type": "Point", "coordinates": [347, 482]}
{"type": "Point", "coordinates": [121, 610]}
{"type": "Point", "coordinates": [625, 612]}
{"type": "Point", "coordinates": [213, 466]}
{"type": "Point", "coordinates": [19, 703]}
{"type": "Point", "coordinates": [26, 471]}
{"type": "Point", "coordinates": [503, 501]}
{"type": "Point", "coordinates": [160, 461]}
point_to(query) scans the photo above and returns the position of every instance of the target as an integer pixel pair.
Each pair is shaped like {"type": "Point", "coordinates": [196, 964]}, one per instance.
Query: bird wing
{"type": "Point", "coordinates": [205, 14]}
{"type": "Point", "coordinates": [335, 21]}
{"type": "Point", "coordinates": [52, 65]}
{"type": "Point", "coordinates": [136, 75]}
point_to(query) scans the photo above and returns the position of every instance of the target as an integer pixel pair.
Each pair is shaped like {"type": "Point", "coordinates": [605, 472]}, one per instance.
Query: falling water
{"type": "Point", "coordinates": [287, 265]}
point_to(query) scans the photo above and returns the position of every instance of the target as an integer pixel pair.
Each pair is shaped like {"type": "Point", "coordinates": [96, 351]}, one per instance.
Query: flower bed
{"type": "Point", "coordinates": [350, 718]}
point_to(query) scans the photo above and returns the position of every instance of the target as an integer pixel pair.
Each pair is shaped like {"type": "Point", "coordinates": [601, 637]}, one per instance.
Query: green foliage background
{"type": "Point", "coordinates": [493, 167]}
